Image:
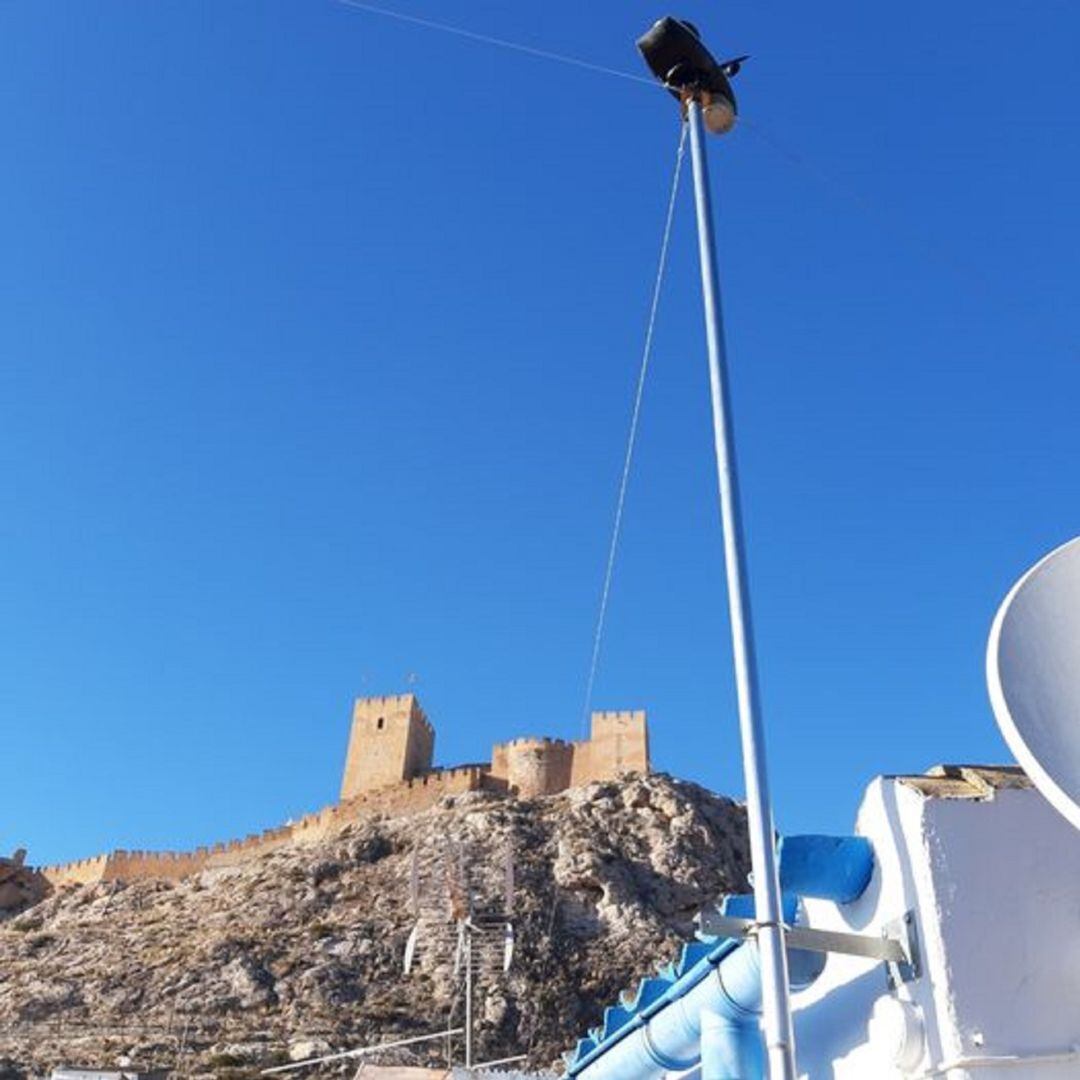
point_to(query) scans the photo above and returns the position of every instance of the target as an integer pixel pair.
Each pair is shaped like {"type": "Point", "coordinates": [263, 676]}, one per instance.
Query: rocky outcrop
{"type": "Point", "coordinates": [20, 885]}
{"type": "Point", "coordinates": [235, 969]}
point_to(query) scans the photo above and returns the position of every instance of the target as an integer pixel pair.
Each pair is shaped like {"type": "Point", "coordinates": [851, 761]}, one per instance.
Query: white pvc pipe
{"type": "Point", "coordinates": [729, 1050]}
{"type": "Point", "coordinates": [673, 1039]}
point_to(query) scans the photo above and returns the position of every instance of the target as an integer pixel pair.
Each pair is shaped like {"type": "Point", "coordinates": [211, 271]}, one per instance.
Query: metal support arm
{"type": "Point", "coordinates": [897, 945]}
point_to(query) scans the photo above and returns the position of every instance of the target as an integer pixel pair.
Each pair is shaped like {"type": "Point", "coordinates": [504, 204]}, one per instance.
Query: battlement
{"type": "Point", "coordinates": [394, 703]}
{"type": "Point", "coordinates": [534, 766]}
{"type": "Point", "coordinates": [533, 740]}
{"type": "Point", "coordinates": [390, 741]}
{"type": "Point", "coordinates": [626, 716]}
{"type": "Point", "coordinates": [388, 770]}
{"type": "Point", "coordinates": [618, 743]}
{"type": "Point", "coordinates": [450, 772]}
{"type": "Point", "coordinates": [80, 872]}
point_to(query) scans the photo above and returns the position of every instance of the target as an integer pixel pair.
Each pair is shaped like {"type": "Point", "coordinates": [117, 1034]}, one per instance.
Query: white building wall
{"type": "Point", "coordinates": [995, 887]}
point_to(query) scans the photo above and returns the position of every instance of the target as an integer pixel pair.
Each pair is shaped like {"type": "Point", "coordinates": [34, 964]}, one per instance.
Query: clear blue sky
{"type": "Point", "coordinates": [318, 335]}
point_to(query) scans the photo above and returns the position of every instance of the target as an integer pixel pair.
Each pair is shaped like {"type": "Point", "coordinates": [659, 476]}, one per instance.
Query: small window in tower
{"type": "Point", "coordinates": [382, 723]}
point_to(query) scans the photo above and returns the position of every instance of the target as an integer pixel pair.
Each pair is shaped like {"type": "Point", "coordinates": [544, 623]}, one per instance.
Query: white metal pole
{"type": "Point", "coordinates": [776, 1005]}
{"type": "Point", "coordinates": [468, 996]}
{"type": "Point", "coordinates": [360, 1051]}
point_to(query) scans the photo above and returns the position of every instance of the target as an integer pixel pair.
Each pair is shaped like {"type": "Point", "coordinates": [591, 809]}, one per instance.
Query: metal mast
{"type": "Point", "coordinates": [779, 1040]}
{"type": "Point", "coordinates": [676, 55]}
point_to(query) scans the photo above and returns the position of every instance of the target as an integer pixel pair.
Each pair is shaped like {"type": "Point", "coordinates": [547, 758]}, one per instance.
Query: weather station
{"type": "Point", "coordinates": [940, 938]}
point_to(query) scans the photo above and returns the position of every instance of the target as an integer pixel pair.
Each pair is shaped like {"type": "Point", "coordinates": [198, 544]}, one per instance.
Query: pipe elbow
{"type": "Point", "coordinates": [730, 1050]}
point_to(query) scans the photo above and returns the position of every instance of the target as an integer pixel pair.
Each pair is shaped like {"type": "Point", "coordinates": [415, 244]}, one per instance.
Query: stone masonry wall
{"type": "Point", "coordinates": [403, 799]}
{"type": "Point", "coordinates": [388, 770]}
{"type": "Point", "coordinates": [618, 743]}
{"type": "Point", "coordinates": [538, 766]}
{"type": "Point", "coordinates": [390, 741]}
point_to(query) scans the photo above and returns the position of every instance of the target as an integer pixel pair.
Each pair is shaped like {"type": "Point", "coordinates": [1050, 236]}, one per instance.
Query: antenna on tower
{"type": "Point", "coordinates": [463, 910]}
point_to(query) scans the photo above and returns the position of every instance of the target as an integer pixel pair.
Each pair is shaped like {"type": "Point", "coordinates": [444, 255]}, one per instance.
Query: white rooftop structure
{"type": "Point", "coordinates": [990, 873]}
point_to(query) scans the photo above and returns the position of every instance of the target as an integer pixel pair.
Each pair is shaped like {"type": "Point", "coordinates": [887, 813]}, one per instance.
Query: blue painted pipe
{"type": "Point", "coordinates": [668, 1036]}
{"type": "Point", "coordinates": [729, 1050]}
{"type": "Point", "coordinates": [826, 867]}
{"type": "Point", "coordinates": [706, 1007]}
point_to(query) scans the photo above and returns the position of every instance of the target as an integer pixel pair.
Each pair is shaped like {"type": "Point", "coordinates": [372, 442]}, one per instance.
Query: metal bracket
{"type": "Point", "coordinates": [897, 947]}
{"type": "Point", "coordinates": [905, 930]}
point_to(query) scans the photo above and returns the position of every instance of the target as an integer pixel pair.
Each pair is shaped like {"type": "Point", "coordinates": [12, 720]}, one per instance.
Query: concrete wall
{"type": "Point", "coordinates": [390, 741]}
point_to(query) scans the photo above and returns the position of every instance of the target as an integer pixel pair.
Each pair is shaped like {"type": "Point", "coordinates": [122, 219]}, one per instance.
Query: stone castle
{"type": "Point", "coordinates": [388, 769]}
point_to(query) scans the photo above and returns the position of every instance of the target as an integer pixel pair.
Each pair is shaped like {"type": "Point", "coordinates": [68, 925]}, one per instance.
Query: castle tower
{"type": "Point", "coordinates": [390, 741]}
{"type": "Point", "coordinates": [619, 743]}
{"type": "Point", "coordinates": [535, 766]}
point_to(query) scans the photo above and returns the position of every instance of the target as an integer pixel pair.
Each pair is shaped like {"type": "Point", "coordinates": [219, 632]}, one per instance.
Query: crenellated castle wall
{"type": "Point", "coordinates": [390, 741]}
{"type": "Point", "coordinates": [533, 766]}
{"type": "Point", "coordinates": [618, 743]}
{"type": "Point", "coordinates": [388, 771]}
{"type": "Point", "coordinates": [81, 872]}
{"type": "Point", "coordinates": [409, 797]}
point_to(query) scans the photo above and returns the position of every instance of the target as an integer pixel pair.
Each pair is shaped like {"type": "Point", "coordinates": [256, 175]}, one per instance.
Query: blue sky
{"type": "Point", "coordinates": [318, 337]}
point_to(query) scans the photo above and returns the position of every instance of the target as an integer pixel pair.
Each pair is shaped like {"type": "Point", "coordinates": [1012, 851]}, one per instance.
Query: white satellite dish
{"type": "Point", "coordinates": [1033, 673]}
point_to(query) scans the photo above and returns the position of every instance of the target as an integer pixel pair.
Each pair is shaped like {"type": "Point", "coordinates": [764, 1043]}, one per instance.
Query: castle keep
{"type": "Point", "coordinates": [389, 769]}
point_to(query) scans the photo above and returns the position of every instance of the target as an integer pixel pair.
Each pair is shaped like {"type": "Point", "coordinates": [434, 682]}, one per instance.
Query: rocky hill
{"type": "Point", "coordinates": [301, 951]}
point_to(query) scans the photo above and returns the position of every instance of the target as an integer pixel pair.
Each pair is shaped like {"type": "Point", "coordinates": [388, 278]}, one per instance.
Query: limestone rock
{"type": "Point", "coordinates": [303, 1049]}
{"type": "Point", "coordinates": [20, 886]}
{"type": "Point", "coordinates": [299, 952]}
